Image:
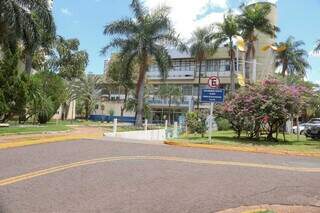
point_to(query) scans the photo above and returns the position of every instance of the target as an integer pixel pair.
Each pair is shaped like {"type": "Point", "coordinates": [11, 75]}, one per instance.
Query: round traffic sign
{"type": "Point", "coordinates": [214, 82]}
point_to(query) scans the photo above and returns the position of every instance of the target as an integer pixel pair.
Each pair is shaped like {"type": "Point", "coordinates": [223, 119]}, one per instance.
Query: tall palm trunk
{"type": "Point", "coordinates": [250, 56]}
{"type": "Point", "coordinates": [140, 89]}
{"type": "Point", "coordinates": [233, 87]}
{"type": "Point", "coordinates": [28, 62]}
{"type": "Point", "coordinates": [199, 82]}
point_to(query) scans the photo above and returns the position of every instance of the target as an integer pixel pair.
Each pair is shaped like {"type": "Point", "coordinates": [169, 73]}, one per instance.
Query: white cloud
{"type": "Point", "coordinates": [66, 11]}
{"type": "Point", "coordinates": [255, 1]}
{"type": "Point", "coordinates": [314, 54]}
{"type": "Point", "coordinates": [187, 15]}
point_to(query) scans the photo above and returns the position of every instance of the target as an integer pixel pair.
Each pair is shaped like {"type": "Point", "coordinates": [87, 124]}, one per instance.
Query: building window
{"type": "Point", "coordinates": [224, 65]}
{"type": "Point", "coordinates": [187, 90]}
{"type": "Point", "coordinates": [210, 65]}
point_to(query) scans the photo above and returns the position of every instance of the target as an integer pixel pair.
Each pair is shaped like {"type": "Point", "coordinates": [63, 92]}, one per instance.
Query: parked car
{"type": "Point", "coordinates": [313, 128]}
{"type": "Point", "coordinates": [302, 128]}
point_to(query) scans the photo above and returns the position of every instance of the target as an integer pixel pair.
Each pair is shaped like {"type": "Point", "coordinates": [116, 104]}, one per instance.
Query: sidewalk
{"type": "Point", "coordinates": [77, 133]}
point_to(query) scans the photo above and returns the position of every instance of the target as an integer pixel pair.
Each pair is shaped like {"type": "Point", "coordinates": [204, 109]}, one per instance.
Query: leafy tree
{"type": "Point", "coordinates": [293, 59]}
{"type": "Point", "coordinates": [171, 93]}
{"type": "Point", "coordinates": [142, 39]}
{"type": "Point", "coordinates": [200, 49]}
{"type": "Point", "coordinates": [70, 63]}
{"type": "Point", "coordinates": [13, 87]}
{"type": "Point", "coordinates": [46, 92]}
{"type": "Point", "coordinates": [67, 60]}
{"type": "Point", "coordinates": [28, 21]}
{"type": "Point", "coordinates": [255, 18]}
{"type": "Point", "coordinates": [122, 75]}
{"type": "Point", "coordinates": [226, 32]}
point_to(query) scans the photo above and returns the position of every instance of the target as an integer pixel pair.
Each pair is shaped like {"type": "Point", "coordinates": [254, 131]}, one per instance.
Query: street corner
{"type": "Point", "coordinates": [273, 209]}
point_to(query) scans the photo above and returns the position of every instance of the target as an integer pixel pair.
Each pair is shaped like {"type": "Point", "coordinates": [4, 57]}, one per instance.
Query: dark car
{"type": "Point", "coordinates": [313, 128]}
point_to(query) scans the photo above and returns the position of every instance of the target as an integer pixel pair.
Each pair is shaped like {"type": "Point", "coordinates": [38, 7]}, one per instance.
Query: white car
{"type": "Point", "coordinates": [302, 128]}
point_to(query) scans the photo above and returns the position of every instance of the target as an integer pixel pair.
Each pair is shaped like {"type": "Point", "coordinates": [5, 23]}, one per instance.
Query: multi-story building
{"type": "Point", "coordinates": [184, 74]}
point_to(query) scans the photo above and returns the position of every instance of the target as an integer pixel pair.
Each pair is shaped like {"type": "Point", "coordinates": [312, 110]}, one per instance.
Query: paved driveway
{"type": "Point", "coordinates": [102, 176]}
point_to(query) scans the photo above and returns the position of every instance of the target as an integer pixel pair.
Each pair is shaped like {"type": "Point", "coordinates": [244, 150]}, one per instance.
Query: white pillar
{"type": "Point", "coordinates": [175, 130]}
{"type": "Point", "coordinates": [237, 55]}
{"type": "Point", "coordinates": [298, 129]}
{"type": "Point", "coordinates": [146, 124]}
{"type": "Point", "coordinates": [166, 124]}
{"type": "Point", "coordinates": [115, 124]}
{"type": "Point", "coordinates": [254, 70]}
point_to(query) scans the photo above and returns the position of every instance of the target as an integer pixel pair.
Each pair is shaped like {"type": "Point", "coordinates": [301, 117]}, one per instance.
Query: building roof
{"type": "Point", "coordinates": [174, 53]}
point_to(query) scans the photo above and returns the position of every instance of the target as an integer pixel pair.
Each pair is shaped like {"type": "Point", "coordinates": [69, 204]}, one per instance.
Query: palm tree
{"type": "Point", "coordinates": [200, 49]}
{"type": "Point", "coordinates": [317, 48]}
{"type": "Point", "coordinates": [171, 93]}
{"type": "Point", "coordinates": [26, 20]}
{"type": "Point", "coordinates": [254, 18]}
{"type": "Point", "coordinates": [226, 32]}
{"type": "Point", "coordinates": [88, 92]}
{"type": "Point", "coordinates": [293, 59]}
{"type": "Point", "coordinates": [143, 38]}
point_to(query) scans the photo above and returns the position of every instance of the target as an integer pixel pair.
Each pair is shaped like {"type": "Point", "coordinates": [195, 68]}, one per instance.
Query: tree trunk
{"type": "Point", "coordinates": [140, 89]}
{"type": "Point", "coordinates": [124, 101]}
{"type": "Point", "coordinates": [199, 82]}
{"type": "Point", "coordinates": [86, 108]}
{"type": "Point", "coordinates": [233, 87]}
{"type": "Point", "coordinates": [284, 68]}
{"type": "Point", "coordinates": [28, 62]}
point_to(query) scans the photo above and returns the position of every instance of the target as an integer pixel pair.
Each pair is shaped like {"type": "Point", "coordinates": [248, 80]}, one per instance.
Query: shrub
{"type": "Point", "coordinates": [263, 107]}
{"type": "Point", "coordinates": [196, 123]}
{"type": "Point", "coordinates": [223, 124]}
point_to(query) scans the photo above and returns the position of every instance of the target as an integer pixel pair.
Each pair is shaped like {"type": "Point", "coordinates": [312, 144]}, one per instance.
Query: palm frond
{"type": "Point", "coordinates": [125, 26]}
{"type": "Point", "coordinates": [138, 9]}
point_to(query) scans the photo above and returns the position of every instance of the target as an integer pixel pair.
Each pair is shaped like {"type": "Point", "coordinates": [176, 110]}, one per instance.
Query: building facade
{"type": "Point", "coordinates": [184, 75]}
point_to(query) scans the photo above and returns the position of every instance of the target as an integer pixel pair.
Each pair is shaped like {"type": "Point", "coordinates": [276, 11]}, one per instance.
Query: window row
{"type": "Point", "coordinates": [212, 65]}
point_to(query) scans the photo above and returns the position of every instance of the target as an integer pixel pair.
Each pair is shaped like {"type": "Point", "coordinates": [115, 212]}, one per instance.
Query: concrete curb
{"type": "Point", "coordinates": [35, 133]}
{"type": "Point", "coordinates": [54, 139]}
{"type": "Point", "coordinates": [242, 149]}
{"type": "Point", "coordinates": [275, 208]}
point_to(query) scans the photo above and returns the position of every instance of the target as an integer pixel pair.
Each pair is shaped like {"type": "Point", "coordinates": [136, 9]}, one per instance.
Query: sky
{"type": "Point", "coordinates": [85, 20]}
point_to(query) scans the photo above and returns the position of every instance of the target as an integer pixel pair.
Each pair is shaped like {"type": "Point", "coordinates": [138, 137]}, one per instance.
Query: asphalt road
{"type": "Point", "coordinates": [102, 176]}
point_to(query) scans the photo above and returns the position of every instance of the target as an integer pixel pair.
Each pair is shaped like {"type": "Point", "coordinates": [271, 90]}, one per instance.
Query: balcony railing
{"type": "Point", "coordinates": [184, 101]}
{"type": "Point", "coordinates": [180, 75]}
{"type": "Point", "coordinates": [155, 75]}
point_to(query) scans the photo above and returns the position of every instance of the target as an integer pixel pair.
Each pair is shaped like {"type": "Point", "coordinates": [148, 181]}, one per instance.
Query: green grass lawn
{"type": "Point", "coordinates": [16, 129]}
{"type": "Point", "coordinates": [228, 138]}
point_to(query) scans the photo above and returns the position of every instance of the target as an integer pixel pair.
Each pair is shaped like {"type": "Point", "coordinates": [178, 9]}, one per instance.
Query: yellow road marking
{"type": "Point", "coordinates": [31, 175]}
{"type": "Point", "coordinates": [49, 139]}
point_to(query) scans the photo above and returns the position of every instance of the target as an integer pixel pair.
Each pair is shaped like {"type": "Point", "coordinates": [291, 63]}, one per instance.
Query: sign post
{"type": "Point", "coordinates": [210, 121]}
{"type": "Point", "coordinates": [212, 96]}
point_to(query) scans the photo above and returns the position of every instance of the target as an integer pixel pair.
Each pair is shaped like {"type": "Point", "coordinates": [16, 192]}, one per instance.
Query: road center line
{"type": "Point", "coordinates": [55, 169]}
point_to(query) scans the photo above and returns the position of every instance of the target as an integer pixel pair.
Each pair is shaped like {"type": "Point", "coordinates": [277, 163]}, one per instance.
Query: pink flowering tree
{"type": "Point", "coordinates": [263, 108]}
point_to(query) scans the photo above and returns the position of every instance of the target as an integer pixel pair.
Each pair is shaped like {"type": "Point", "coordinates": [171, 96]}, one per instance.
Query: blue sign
{"type": "Point", "coordinates": [212, 95]}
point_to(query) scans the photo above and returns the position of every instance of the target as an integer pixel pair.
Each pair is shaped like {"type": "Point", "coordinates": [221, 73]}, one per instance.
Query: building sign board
{"type": "Point", "coordinates": [212, 95]}
{"type": "Point", "coordinates": [214, 82]}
